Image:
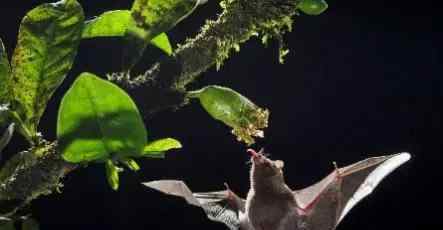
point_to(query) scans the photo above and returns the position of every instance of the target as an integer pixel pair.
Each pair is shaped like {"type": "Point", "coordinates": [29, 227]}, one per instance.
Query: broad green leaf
{"type": "Point", "coordinates": [97, 120]}
{"type": "Point", "coordinates": [47, 44]}
{"type": "Point", "coordinates": [153, 17]}
{"type": "Point", "coordinates": [5, 76]}
{"type": "Point", "coordinates": [6, 137]}
{"type": "Point", "coordinates": [112, 174]}
{"type": "Point", "coordinates": [115, 23]}
{"type": "Point", "coordinates": [157, 147]}
{"type": "Point", "coordinates": [5, 82]}
{"type": "Point", "coordinates": [313, 7]}
{"type": "Point", "coordinates": [224, 104]}
{"type": "Point", "coordinates": [131, 164]}
{"type": "Point", "coordinates": [30, 224]}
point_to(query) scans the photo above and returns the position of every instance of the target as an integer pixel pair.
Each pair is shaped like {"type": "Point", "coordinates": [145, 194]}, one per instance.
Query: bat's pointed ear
{"type": "Point", "coordinates": [280, 164]}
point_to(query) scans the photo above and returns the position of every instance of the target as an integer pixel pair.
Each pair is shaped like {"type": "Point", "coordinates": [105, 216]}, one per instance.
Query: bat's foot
{"type": "Point", "coordinates": [229, 191]}
{"type": "Point", "coordinates": [226, 186]}
{"type": "Point", "coordinates": [337, 170]}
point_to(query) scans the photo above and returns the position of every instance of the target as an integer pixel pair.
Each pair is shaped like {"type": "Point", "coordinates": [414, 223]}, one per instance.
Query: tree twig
{"type": "Point", "coordinates": [38, 171]}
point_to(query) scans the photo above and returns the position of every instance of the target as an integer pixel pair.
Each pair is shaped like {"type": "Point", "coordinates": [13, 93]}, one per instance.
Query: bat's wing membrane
{"type": "Point", "coordinates": [221, 206]}
{"type": "Point", "coordinates": [326, 203]}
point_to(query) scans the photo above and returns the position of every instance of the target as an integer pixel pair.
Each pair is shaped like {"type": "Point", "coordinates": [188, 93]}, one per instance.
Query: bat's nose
{"type": "Point", "coordinates": [253, 153]}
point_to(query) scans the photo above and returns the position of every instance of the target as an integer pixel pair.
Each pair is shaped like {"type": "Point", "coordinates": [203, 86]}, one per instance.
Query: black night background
{"type": "Point", "coordinates": [363, 79]}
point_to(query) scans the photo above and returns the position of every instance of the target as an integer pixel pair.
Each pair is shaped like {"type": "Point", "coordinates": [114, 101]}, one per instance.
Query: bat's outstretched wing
{"type": "Point", "coordinates": [326, 203]}
{"type": "Point", "coordinates": [221, 206]}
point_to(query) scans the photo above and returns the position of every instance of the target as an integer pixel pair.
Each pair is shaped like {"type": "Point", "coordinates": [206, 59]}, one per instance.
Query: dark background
{"type": "Point", "coordinates": [363, 79]}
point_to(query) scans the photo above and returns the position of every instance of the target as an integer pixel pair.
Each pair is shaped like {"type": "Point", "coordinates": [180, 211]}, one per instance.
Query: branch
{"type": "Point", "coordinates": [240, 20]}
{"type": "Point", "coordinates": [38, 171]}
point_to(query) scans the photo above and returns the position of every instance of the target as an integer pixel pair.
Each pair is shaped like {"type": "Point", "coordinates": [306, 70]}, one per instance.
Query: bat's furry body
{"type": "Point", "coordinates": [272, 205]}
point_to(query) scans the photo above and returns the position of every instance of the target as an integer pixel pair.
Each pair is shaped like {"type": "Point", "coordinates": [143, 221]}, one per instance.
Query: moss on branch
{"type": "Point", "coordinates": [29, 174]}
{"type": "Point", "coordinates": [38, 170]}
{"type": "Point", "coordinates": [240, 20]}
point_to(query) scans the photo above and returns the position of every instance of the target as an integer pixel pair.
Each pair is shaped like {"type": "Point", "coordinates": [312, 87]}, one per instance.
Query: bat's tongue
{"type": "Point", "coordinates": [253, 153]}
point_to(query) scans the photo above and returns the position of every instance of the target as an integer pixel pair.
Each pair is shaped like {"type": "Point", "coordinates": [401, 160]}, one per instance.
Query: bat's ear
{"type": "Point", "coordinates": [280, 164]}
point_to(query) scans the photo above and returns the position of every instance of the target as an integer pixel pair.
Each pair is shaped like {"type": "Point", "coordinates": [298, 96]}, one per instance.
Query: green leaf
{"type": "Point", "coordinates": [112, 174]}
{"type": "Point", "coordinates": [161, 41]}
{"type": "Point", "coordinates": [108, 24]}
{"type": "Point", "coordinates": [97, 120]}
{"type": "Point", "coordinates": [5, 83]}
{"type": "Point", "coordinates": [115, 23]}
{"type": "Point", "coordinates": [47, 44]}
{"type": "Point", "coordinates": [5, 76]}
{"type": "Point", "coordinates": [30, 224]}
{"type": "Point", "coordinates": [313, 7]}
{"type": "Point", "coordinates": [153, 17]}
{"type": "Point", "coordinates": [224, 104]}
{"type": "Point", "coordinates": [157, 147]}
{"type": "Point", "coordinates": [131, 164]}
{"type": "Point", "coordinates": [6, 137]}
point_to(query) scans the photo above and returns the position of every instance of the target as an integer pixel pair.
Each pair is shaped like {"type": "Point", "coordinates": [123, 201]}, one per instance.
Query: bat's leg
{"type": "Point", "coordinates": [339, 175]}
{"type": "Point", "coordinates": [230, 195]}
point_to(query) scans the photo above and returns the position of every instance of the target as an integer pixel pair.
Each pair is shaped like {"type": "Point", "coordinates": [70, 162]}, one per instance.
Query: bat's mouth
{"type": "Point", "coordinates": [253, 153]}
{"type": "Point", "coordinates": [256, 157]}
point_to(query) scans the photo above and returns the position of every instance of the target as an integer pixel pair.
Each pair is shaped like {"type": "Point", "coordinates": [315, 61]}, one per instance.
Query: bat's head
{"type": "Point", "coordinates": [264, 167]}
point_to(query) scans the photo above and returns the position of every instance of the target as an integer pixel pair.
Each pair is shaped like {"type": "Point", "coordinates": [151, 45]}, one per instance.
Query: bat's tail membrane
{"type": "Point", "coordinates": [378, 168]}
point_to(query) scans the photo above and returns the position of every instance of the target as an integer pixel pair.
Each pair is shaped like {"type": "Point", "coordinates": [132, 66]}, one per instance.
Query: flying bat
{"type": "Point", "coordinates": [272, 205]}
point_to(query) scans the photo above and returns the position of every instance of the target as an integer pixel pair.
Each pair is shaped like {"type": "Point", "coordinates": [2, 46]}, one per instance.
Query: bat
{"type": "Point", "coordinates": [272, 205]}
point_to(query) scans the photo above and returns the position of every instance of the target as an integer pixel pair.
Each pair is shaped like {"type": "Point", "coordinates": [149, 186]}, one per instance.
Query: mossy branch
{"type": "Point", "coordinates": [38, 171]}
{"type": "Point", "coordinates": [240, 20]}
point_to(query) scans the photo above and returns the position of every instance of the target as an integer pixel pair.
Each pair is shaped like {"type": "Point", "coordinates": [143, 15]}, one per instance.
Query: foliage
{"type": "Point", "coordinates": [98, 122]}
{"type": "Point", "coordinates": [244, 117]}
{"type": "Point", "coordinates": [313, 7]}
{"type": "Point", "coordinates": [5, 72]}
{"type": "Point", "coordinates": [153, 17]}
{"type": "Point", "coordinates": [48, 39]}
{"type": "Point", "coordinates": [6, 137]}
{"type": "Point", "coordinates": [115, 23]}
